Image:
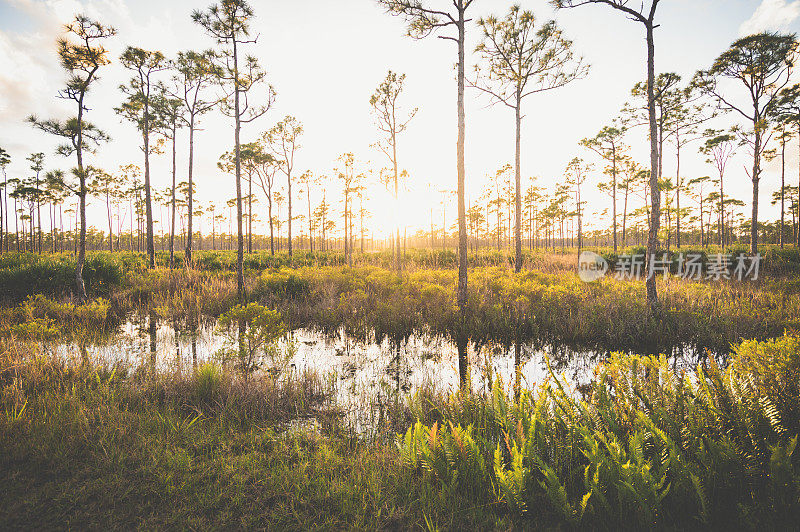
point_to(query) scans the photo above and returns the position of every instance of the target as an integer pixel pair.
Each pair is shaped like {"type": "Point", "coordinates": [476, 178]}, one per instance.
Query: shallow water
{"type": "Point", "coordinates": [365, 376]}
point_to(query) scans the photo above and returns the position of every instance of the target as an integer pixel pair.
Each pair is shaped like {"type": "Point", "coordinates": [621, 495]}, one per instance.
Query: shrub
{"type": "Point", "coordinates": [252, 332]}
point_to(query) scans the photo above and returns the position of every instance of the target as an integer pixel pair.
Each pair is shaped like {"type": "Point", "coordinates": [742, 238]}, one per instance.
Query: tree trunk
{"type": "Point", "coordinates": [81, 259]}
{"type": "Point", "coordinates": [655, 214]}
{"type": "Point", "coordinates": [271, 224]}
{"type": "Point", "coordinates": [238, 165]}
{"type": "Point", "coordinates": [310, 223]}
{"type": "Point", "coordinates": [756, 178]}
{"type": "Point", "coordinates": [721, 211]}
{"type": "Point", "coordinates": [172, 222]}
{"type": "Point", "coordinates": [678, 185]}
{"type": "Point", "coordinates": [783, 188]}
{"type": "Point", "coordinates": [518, 178]}
{"type": "Point", "coordinates": [148, 197]}
{"type": "Point", "coordinates": [190, 192]}
{"type": "Point", "coordinates": [39, 213]}
{"type": "Point", "coordinates": [614, 192]}
{"type": "Point", "coordinates": [250, 213]}
{"type": "Point", "coordinates": [462, 226]}
{"type": "Point", "coordinates": [289, 184]}
{"type": "Point", "coordinates": [110, 223]}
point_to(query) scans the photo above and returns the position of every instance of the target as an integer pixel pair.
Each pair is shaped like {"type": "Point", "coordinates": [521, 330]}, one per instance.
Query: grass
{"type": "Point", "coordinates": [86, 447]}
{"type": "Point", "coordinates": [97, 447]}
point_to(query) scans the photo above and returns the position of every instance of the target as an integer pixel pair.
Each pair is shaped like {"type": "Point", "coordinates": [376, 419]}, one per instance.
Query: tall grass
{"type": "Point", "coordinates": [531, 307]}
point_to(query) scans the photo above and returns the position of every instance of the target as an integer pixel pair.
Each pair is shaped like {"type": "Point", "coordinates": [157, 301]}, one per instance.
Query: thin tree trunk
{"type": "Point", "coordinates": [110, 222]}
{"type": "Point", "coordinates": [271, 224]}
{"type": "Point", "coordinates": [518, 179]}
{"type": "Point", "coordinates": [148, 198]}
{"type": "Point", "coordinates": [462, 338]}
{"type": "Point", "coordinates": [289, 185]}
{"type": "Point", "coordinates": [240, 236]}
{"type": "Point", "coordinates": [756, 178]}
{"type": "Point", "coordinates": [655, 215]}
{"type": "Point", "coordinates": [81, 259]}
{"type": "Point", "coordinates": [614, 192]}
{"type": "Point", "coordinates": [310, 229]}
{"type": "Point", "coordinates": [190, 192]}
{"type": "Point", "coordinates": [678, 198]}
{"type": "Point", "coordinates": [250, 214]}
{"type": "Point", "coordinates": [172, 222]}
{"type": "Point", "coordinates": [783, 188]}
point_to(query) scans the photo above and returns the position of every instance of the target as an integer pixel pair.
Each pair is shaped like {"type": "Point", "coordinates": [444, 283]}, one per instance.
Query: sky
{"type": "Point", "coordinates": [326, 58]}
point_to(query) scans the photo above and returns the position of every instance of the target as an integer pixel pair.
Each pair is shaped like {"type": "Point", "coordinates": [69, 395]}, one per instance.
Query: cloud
{"type": "Point", "coordinates": [771, 15]}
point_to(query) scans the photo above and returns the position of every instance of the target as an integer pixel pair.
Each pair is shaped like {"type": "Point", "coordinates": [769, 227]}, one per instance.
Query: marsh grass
{"type": "Point", "coordinates": [536, 308]}
{"type": "Point", "coordinates": [371, 303]}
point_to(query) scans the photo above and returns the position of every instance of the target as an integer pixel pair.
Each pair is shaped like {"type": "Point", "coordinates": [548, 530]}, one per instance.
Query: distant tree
{"type": "Point", "coordinates": [784, 136]}
{"type": "Point", "coordinates": [521, 61]}
{"type": "Point", "coordinates": [384, 102]}
{"type": "Point", "coordinates": [322, 217]}
{"type": "Point", "coordinates": [266, 170]}
{"type": "Point", "coordinates": [195, 72]}
{"type": "Point", "coordinates": [82, 60]}
{"type": "Point", "coordinates": [690, 112]}
{"type": "Point", "coordinates": [104, 185]}
{"type": "Point", "coordinates": [56, 194]}
{"type": "Point", "coordinates": [130, 175]}
{"type": "Point", "coordinates": [348, 177]}
{"type": "Point", "coordinates": [788, 113]}
{"type": "Point", "coordinates": [36, 194]}
{"type": "Point", "coordinates": [171, 116]}
{"type": "Point", "coordinates": [284, 141]}
{"type": "Point", "coordinates": [697, 186]}
{"type": "Point", "coordinates": [575, 176]}
{"type": "Point", "coordinates": [719, 147]}
{"type": "Point", "coordinates": [763, 64]}
{"type": "Point", "coordinates": [423, 21]}
{"type": "Point", "coordinates": [252, 157]}
{"type": "Point", "coordinates": [309, 180]}
{"type": "Point", "coordinates": [139, 109]}
{"type": "Point", "coordinates": [608, 145]}
{"type": "Point", "coordinates": [5, 160]}
{"type": "Point", "coordinates": [645, 14]}
{"type": "Point", "coordinates": [229, 23]}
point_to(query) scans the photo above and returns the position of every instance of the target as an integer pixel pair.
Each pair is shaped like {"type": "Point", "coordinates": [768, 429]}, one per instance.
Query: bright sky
{"type": "Point", "coordinates": [325, 59]}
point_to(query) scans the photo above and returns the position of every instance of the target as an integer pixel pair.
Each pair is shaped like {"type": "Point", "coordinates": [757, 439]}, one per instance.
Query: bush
{"type": "Point", "coordinates": [23, 274]}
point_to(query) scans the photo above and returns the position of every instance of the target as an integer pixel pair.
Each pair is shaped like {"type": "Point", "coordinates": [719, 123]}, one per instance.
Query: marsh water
{"type": "Point", "coordinates": [362, 374]}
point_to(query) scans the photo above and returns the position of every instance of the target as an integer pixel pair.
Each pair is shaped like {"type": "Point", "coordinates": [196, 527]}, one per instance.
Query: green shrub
{"type": "Point", "coordinates": [54, 275]}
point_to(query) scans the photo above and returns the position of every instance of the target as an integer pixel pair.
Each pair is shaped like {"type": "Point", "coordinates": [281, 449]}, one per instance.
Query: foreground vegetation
{"type": "Point", "coordinates": [98, 447]}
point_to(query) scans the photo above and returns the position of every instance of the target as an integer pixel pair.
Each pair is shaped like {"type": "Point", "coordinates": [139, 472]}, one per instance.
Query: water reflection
{"type": "Point", "coordinates": [380, 367]}
{"type": "Point", "coordinates": [367, 377]}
